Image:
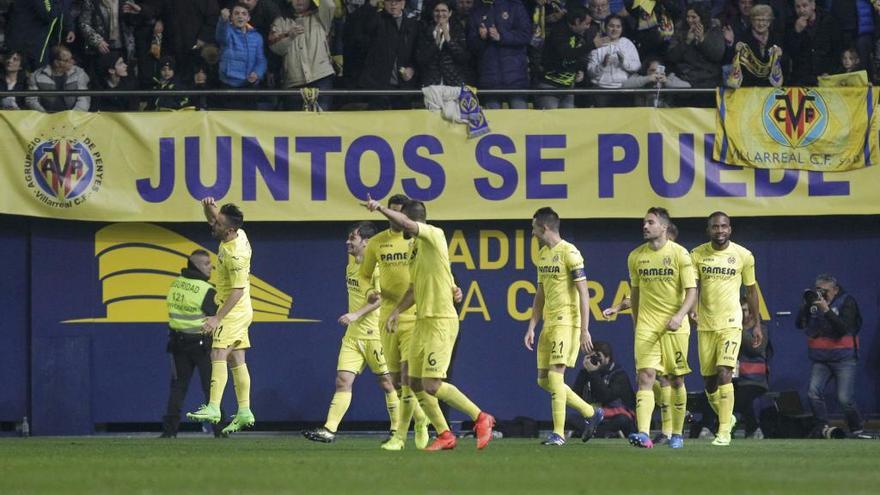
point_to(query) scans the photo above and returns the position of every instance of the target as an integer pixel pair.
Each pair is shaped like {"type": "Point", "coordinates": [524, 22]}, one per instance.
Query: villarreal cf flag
{"type": "Point", "coordinates": [821, 129]}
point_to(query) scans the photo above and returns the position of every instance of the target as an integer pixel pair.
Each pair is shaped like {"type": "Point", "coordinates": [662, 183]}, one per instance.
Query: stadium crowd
{"type": "Point", "coordinates": [408, 44]}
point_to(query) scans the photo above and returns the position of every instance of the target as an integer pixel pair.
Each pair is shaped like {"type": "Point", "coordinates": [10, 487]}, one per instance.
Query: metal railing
{"type": "Point", "coordinates": [352, 93]}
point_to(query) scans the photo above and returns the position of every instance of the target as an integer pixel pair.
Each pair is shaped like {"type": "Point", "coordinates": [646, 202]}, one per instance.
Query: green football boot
{"type": "Point", "coordinates": [208, 412]}
{"type": "Point", "coordinates": [244, 418]}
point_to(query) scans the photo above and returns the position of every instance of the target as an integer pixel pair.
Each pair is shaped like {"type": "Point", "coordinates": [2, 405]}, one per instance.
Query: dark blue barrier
{"type": "Point", "coordinates": [87, 373]}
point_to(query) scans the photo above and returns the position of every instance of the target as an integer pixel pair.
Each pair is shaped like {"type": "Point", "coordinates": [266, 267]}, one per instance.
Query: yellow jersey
{"type": "Point", "coordinates": [721, 274]}
{"type": "Point", "coordinates": [559, 268]}
{"type": "Point", "coordinates": [389, 251]}
{"type": "Point", "coordinates": [431, 275]}
{"type": "Point", "coordinates": [661, 277]}
{"type": "Point", "coordinates": [367, 326]}
{"type": "Point", "coordinates": [233, 272]}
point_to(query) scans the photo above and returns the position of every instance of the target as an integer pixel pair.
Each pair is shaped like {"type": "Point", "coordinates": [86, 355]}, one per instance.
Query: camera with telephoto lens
{"type": "Point", "coordinates": [813, 295]}
{"type": "Point", "coordinates": [595, 359]}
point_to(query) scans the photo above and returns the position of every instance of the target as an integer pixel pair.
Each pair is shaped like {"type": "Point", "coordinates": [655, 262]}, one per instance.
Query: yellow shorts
{"type": "Point", "coordinates": [648, 348]}
{"type": "Point", "coordinates": [355, 353]}
{"type": "Point", "coordinates": [674, 353]}
{"type": "Point", "coordinates": [558, 344]}
{"type": "Point", "coordinates": [397, 344]}
{"type": "Point", "coordinates": [718, 348]}
{"type": "Point", "coordinates": [431, 347]}
{"type": "Point", "coordinates": [232, 332]}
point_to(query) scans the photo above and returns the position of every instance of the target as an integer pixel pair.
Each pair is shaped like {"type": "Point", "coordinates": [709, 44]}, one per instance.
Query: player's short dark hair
{"type": "Point", "coordinates": [718, 214]}
{"type": "Point", "coordinates": [661, 213]}
{"type": "Point", "coordinates": [242, 5]}
{"type": "Point", "coordinates": [604, 348]}
{"type": "Point", "coordinates": [364, 229]}
{"type": "Point", "coordinates": [233, 215]}
{"type": "Point", "coordinates": [672, 231]}
{"type": "Point", "coordinates": [415, 210]}
{"type": "Point", "coordinates": [199, 252]}
{"type": "Point", "coordinates": [548, 218]}
{"type": "Point", "coordinates": [398, 199]}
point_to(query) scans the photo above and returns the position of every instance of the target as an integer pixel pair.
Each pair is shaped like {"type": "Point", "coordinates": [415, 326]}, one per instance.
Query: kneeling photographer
{"type": "Point", "coordinates": [601, 382]}
{"type": "Point", "coordinates": [831, 320]}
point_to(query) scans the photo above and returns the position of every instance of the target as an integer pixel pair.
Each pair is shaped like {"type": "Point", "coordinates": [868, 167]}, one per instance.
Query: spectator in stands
{"type": "Point", "coordinates": [812, 43]}
{"type": "Point", "coordinates": [499, 35]}
{"type": "Point", "coordinates": [60, 74]}
{"type": "Point", "coordinates": [736, 16]}
{"type": "Point", "coordinates": [263, 13]}
{"type": "Point", "coordinates": [107, 25]}
{"type": "Point", "coordinates": [653, 75]}
{"type": "Point", "coordinates": [857, 25]}
{"type": "Point", "coordinates": [463, 9]}
{"type": "Point", "coordinates": [601, 382]}
{"type": "Point", "coordinates": [189, 25]}
{"type": "Point", "coordinates": [299, 37]}
{"type": "Point", "coordinates": [612, 64]}
{"type": "Point", "coordinates": [831, 320]}
{"type": "Point", "coordinates": [354, 53]}
{"type": "Point", "coordinates": [168, 80]}
{"type": "Point", "coordinates": [850, 61]}
{"type": "Point", "coordinates": [390, 41]}
{"type": "Point", "coordinates": [35, 26]}
{"type": "Point", "coordinates": [757, 55]}
{"type": "Point", "coordinates": [652, 24]}
{"type": "Point", "coordinates": [442, 52]}
{"type": "Point", "coordinates": [565, 50]}
{"type": "Point", "coordinates": [112, 75]}
{"type": "Point", "coordinates": [242, 60]}
{"type": "Point", "coordinates": [751, 381]}
{"type": "Point", "coordinates": [203, 78]}
{"type": "Point", "coordinates": [15, 79]}
{"type": "Point", "coordinates": [697, 49]}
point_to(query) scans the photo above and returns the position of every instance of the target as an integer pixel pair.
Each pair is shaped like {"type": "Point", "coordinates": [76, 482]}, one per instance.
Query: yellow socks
{"type": "Point", "coordinates": [405, 414]}
{"type": "Point", "coordinates": [242, 381]}
{"type": "Point", "coordinates": [713, 400]}
{"type": "Point", "coordinates": [451, 395]}
{"type": "Point", "coordinates": [219, 376]}
{"type": "Point", "coordinates": [557, 402]}
{"type": "Point", "coordinates": [392, 403]}
{"type": "Point", "coordinates": [431, 407]}
{"type": "Point", "coordinates": [338, 407]}
{"type": "Point", "coordinates": [663, 398]}
{"type": "Point", "coordinates": [725, 408]}
{"type": "Point", "coordinates": [644, 410]}
{"type": "Point", "coordinates": [678, 400]}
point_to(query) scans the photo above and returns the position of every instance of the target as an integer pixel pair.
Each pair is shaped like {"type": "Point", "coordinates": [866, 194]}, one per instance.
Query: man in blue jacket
{"type": "Point", "coordinates": [242, 59]}
{"type": "Point", "coordinates": [499, 33]}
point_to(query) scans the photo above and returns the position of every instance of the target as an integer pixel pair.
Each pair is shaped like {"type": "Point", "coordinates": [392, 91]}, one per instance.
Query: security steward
{"type": "Point", "coordinates": [190, 300]}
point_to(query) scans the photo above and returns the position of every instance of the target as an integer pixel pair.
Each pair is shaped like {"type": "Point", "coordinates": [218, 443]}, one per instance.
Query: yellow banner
{"type": "Point", "coordinates": [821, 129]}
{"type": "Point", "coordinates": [590, 163]}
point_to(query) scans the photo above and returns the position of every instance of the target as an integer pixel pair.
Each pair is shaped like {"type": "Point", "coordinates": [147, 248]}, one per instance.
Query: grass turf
{"type": "Point", "coordinates": [355, 465]}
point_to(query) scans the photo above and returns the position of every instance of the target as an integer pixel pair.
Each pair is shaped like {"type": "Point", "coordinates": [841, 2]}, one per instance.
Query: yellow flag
{"type": "Point", "coordinates": [820, 129]}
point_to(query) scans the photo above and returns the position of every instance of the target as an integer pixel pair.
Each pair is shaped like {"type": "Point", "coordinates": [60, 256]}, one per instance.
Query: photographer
{"type": "Point", "coordinates": [831, 320]}
{"type": "Point", "coordinates": [601, 382]}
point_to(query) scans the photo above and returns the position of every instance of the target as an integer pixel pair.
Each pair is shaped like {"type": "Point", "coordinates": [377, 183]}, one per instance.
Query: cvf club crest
{"type": "Point", "coordinates": [63, 171]}
{"type": "Point", "coordinates": [795, 117]}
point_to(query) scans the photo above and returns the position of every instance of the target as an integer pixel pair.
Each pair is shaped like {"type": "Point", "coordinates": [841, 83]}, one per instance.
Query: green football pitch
{"type": "Point", "coordinates": [264, 464]}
